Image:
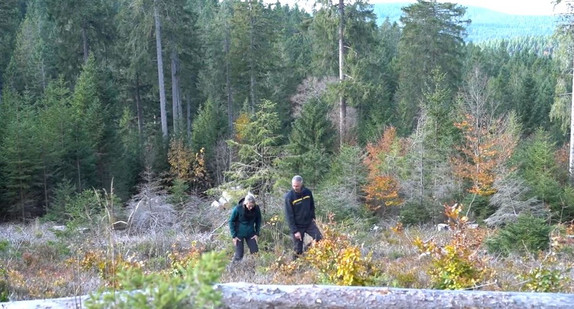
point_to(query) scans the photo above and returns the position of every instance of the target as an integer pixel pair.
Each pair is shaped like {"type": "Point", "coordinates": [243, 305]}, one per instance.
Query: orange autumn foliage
{"type": "Point", "coordinates": [486, 148]}
{"type": "Point", "coordinates": [383, 187]}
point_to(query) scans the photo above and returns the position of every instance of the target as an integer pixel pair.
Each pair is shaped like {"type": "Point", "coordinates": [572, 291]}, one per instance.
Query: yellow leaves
{"type": "Point", "coordinates": [456, 265]}
{"type": "Point", "coordinates": [182, 259]}
{"type": "Point", "coordinates": [185, 165]}
{"type": "Point", "coordinates": [241, 125]}
{"type": "Point", "coordinates": [274, 220]}
{"type": "Point", "coordinates": [339, 261]}
{"type": "Point", "coordinates": [398, 228]}
{"type": "Point", "coordinates": [179, 158]}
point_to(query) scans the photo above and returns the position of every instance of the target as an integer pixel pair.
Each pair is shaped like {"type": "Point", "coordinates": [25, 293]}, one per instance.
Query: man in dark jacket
{"type": "Point", "coordinates": [300, 214]}
{"type": "Point", "coordinates": [244, 225]}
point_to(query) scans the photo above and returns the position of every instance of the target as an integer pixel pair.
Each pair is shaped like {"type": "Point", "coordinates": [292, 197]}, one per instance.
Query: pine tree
{"type": "Point", "coordinates": [257, 150]}
{"type": "Point", "coordinates": [83, 27]}
{"type": "Point", "coordinates": [208, 128]}
{"type": "Point", "coordinates": [54, 113]}
{"type": "Point", "coordinates": [432, 39]}
{"type": "Point", "coordinates": [10, 17]}
{"type": "Point", "coordinates": [27, 69]}
{"type": "Point", "coordinates": [136, 57]}
{"type": "Point", "coordinates": [311, 143]}
{"type": "Point", "coordinates": [251, 51]}
{"type": "Point", "coordinates": [19, 155]}
{"type": "Point", "coordinates": [87, 128]}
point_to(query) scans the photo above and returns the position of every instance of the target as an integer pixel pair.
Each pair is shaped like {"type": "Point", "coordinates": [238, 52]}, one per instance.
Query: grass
{"type": "Point", "coordinates": [38, 262]}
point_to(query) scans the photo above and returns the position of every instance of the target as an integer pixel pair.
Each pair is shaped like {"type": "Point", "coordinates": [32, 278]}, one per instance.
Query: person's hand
{"type": "Point", "coordinates": [297, 236]}
{"type": "Point", "coordinates": [235, 240]}
{"type": "Point", "coordinates": [255, 237]}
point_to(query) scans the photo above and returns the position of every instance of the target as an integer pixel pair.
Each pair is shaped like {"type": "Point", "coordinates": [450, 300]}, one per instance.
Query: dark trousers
{"type": "Point", "coordinates": [251, 243]}
{"type": "Point", "coordinates": [312, 230]}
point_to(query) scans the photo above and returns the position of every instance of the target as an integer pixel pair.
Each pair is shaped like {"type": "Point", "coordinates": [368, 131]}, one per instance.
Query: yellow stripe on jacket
{"type": "Point", "coordinates": [300, 199]}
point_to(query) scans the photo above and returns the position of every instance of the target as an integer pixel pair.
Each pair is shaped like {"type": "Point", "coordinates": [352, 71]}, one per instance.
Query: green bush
{"type": "Point", "coordinates": [178, 192]}
{"type": "Point", "coordinates": [527, 234]}
{"type": "Point", "coordinates": [77, 209]}
{"type": "Point", "coordinates": [189, 287]}
{"type": "Point", "coordinates": [544, 279]}
{"type": "Point", "coordinates": [4, 286]}
{"type": "Point", "coordinates": [412, 214]}
{"type": "Point", "coordinates": [480, 207]}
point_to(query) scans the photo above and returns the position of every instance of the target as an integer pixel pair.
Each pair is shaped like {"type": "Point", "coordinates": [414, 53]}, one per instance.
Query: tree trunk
{"type": "Point", "coordinates": [228, 80]}
{"type": "Point", "coordinates": [342, 103]}
{"type": "Point", "coordinates": [162, 101]}
{"type": "Point", "coordinates": [251, 59]}
{"type": "Point", "coordinates": [175, 91]}
{"type": "Point", "coordinates": [245, 295]}
{"type": "Point", "coordinates": [45, 185]}
{"type": "Point", "coordinates": [85, 44]}
{"type": "Point", "coordinates": [188, 114]}
{"type": "Point", "coordinates": [571, 159]}
{"type": "Point", "coordinates": [139, 108]}
{"type": "Point", "coordinates": [79, 173]}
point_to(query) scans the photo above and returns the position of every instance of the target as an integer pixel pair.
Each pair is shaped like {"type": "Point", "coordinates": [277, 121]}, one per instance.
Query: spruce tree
{"type": "Point", "coordinates": [258, 146]}
{"type": "Point", "coordinates": [432, 39]}
{"type": "Point", "coordinates": [311, 142]}
{"type": "Point", "coordinates": [19, 156]}
{"type": "Point", "coordinates": [208, 128]}
{"type": "Point", "coordinates": [87, 128]}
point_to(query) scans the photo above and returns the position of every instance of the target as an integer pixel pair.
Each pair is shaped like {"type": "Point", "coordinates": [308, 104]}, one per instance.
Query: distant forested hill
{"type": "Point", "coordinates": [486, 24]}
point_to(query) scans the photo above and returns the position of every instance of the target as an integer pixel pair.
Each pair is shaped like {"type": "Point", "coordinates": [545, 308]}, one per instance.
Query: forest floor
{"type": "Point", "coordinates": [41, 259]}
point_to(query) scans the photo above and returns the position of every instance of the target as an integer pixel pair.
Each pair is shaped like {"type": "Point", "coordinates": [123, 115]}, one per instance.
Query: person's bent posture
{"type": "Point", "coordinates": [244, 225]}
{"type": "Point", "coordinates": [300, 214]}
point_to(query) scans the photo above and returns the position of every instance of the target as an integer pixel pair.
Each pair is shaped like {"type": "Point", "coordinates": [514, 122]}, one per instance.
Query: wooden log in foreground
{"type": "Point", "coordinates": [246, 295]}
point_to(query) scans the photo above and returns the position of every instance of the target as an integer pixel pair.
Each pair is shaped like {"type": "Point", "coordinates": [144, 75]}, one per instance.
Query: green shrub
{"type": "Point", "coordinates": [4, 286]}
{"type": "Point", "coordinates": [191, 286]}
{"type": "Point", "coordinates": [178, 191]}
{"type": "Point", "coordinates": [77, 209]}
{"type": "Point", "coordinates": [4, 246]}
{"type": "Point", "coordinates": [480, 207]}
{"type": "Point", "coordinates": [527, 234]}
{"type": "Point", "coordinates": [412, 214]}
{"type": "Point", "coordinates": [544, 279]}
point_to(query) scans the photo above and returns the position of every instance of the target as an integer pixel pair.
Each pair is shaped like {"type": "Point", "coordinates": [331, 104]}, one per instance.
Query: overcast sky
{"type": "Point", "coordinates": [523, 7]}
{"type": "Point", "coordinates": [520, 7]}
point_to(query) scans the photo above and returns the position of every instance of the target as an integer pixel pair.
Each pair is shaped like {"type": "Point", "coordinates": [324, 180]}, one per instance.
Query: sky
{"type": "Point", "coordinates": [519, 7]}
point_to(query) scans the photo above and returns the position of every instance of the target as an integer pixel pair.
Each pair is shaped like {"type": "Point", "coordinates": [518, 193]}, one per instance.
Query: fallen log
{"type": "Point", "coordinates": [246, 295]}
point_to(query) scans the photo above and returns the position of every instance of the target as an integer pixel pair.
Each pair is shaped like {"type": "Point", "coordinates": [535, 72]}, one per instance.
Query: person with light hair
{"type": "Point", "coordinates": [245, 225]}
{"type": "Point", "coordinates": [300, 214]}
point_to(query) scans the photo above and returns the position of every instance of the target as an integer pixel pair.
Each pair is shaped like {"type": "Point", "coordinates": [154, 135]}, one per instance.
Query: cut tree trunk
{"type": "Point", "coordinates": [246, 295]}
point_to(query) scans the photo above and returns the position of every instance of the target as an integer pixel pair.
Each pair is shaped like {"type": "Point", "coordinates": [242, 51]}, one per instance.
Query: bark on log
{"type": "Point", "coordinates": [245, 295]}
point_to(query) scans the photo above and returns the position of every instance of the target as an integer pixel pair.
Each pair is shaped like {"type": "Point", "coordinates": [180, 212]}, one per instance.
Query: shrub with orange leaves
{"type": "Point", "coordinates": [182, 259]}
{"type": "Point", "coordinates": [107, 267]}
